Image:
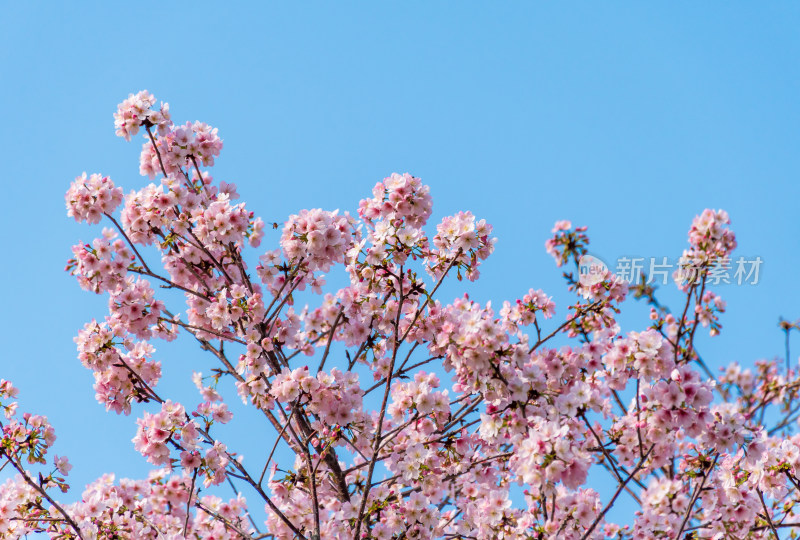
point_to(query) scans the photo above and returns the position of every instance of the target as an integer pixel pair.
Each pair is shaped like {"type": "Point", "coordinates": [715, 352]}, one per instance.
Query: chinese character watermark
{"type": "Point", "coordinates": [661, 270]}
{"type": "Point", "coordinates": [742, 271]}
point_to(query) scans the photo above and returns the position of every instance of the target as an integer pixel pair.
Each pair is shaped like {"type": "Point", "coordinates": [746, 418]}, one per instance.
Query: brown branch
{"type": "Point", "coordinates": [614, 497]}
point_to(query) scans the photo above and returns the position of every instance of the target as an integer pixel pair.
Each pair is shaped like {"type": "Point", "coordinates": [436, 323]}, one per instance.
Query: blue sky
{"type": "Point", "coordinates": [629, 118]}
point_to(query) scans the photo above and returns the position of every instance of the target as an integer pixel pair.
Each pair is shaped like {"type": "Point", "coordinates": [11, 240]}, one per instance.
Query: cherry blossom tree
{"type": "Point", "coordinates": [404, 416]}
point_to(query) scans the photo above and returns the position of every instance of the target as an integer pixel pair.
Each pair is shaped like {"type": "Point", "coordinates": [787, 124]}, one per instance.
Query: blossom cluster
{"type": "Point", "coordinates": [316, 237]}
{"type": "Point", "coordinates": [157, 430]}
{"type": "Point", "coordinates": [89, 197]}
{"type": "Point", "coordinates": [568, 243]}
{"type": "Point", "coordinates": [463, 241]}
{"type": "Point", "coordinates": [133, 306]}
{"type": "Point", "coordinates": [398, 198]}
{"type": "Point", "coordinates": [137, 111]}
{"type": "Point", "coordinates": [102, 265]}
{"type": "Point", "coordinates": [178, 147]}
{"type": "Point", "coordinates": [710, 241]}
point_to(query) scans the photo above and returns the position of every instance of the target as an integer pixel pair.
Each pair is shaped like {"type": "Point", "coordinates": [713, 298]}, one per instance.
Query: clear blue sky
{"type": "Point", "coordinates": [626, 117]}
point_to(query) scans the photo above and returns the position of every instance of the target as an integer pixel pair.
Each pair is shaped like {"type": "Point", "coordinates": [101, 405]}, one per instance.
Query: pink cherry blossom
{"type": "Point", "coordinates": [391, 411]}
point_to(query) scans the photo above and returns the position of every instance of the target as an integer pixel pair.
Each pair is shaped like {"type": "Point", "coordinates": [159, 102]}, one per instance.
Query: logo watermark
{"type": "Point", "coordinates": [591, 270]}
